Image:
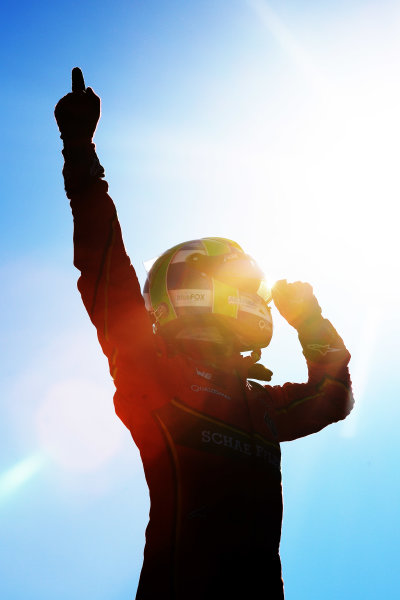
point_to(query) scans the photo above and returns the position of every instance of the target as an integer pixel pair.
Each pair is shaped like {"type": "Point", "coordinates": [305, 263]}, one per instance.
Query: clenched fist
{"type": "Point", "coordinates": [78, 112]}
{"type": "Point", "coordinates": [295, 301]}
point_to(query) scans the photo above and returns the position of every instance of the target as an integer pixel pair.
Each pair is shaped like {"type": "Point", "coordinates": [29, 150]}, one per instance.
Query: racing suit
{"type": "Point", "coordinates": [208, 437]}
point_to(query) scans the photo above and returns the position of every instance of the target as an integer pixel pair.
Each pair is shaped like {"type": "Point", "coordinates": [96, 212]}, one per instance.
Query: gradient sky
{"type": "Point", "coordinates": [272, 123]}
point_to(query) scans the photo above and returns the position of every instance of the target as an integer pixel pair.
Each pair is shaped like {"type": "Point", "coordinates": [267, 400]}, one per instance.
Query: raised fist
{"type": "Point", "coordinates": [295, 301]}
{"type": "Point", "coordinates": [78, 112]}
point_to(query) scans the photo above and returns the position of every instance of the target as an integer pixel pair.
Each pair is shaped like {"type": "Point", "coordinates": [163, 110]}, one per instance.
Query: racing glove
{"type": "Point", "coordinates": [77, 115]}
{"type": "Point", "coordinates": [296, 302]}
{"type": "Point", "coordinates": [298, 305]}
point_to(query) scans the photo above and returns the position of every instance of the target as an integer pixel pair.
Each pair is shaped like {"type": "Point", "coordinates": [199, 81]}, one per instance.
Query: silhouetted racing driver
{"type": "Point", "coordinates": [208, 435]}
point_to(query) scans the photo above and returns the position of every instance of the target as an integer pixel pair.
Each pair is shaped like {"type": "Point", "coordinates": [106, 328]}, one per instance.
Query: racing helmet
{"type": "Point", "coordinates": [209, 282]}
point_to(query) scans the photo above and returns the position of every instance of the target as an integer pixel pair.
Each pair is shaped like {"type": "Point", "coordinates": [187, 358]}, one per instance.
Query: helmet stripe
{"type": "Point", "coordinates": [221, 295]}
{"type": "Point", "coordinates": [216, 246]}
{"type": "Point", "coordinates": [222, 291]}
{"type": "Point", "coordinates": [182, 275]}
{"type": "Point", "coordinates": [159, 290]}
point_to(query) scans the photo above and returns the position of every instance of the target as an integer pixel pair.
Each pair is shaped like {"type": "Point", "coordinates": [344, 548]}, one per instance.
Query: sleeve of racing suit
{"type": "Point", "coordinates": [108, 284]}
{"type": "Point", "coordinates": [299, 409]}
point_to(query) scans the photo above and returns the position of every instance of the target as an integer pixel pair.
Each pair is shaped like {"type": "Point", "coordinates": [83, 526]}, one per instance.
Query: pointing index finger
{"type": "Point", "coordinates": [78, 83]}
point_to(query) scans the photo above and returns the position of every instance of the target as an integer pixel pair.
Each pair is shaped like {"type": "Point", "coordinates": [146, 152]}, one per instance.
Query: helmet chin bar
{"type": "Point", "coordinates": [212, 342]}
{"type": "Point", "coordinates": [207, 333]}
{"type": "Point", "coordinates": [212, 332]}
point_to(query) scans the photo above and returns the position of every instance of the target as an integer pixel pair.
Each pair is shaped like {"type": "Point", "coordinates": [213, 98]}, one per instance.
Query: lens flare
{"type": "Point", "coordinates": [76, 425]}
{"type": "Point", "coordinates": [12, 479]}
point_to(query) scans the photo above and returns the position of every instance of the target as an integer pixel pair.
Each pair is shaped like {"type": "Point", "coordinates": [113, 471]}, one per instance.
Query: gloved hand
{"type": "Point", "coordinates": [296, 302]}
{"type": "Point", "coordinates": [258, 371]}
{"type": "Point", "coordinates": [78, 113]}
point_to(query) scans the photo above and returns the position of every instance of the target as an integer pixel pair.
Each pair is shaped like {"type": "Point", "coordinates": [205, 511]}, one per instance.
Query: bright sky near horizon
{"type": "Point", "coordinates": [272, 123]}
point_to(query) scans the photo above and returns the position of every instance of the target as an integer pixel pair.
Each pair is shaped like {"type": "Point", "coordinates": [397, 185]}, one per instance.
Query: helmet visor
{"type": "Point", "coordinates": [237, 270]}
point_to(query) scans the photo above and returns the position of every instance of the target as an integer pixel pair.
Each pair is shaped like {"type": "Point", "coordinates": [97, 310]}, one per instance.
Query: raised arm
{"type": "Point", "coordinates": [300, 409]}
{"type": "Point", "coordinates": [108, 283]}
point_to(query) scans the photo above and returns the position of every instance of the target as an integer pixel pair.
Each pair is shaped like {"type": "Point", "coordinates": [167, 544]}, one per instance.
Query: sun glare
{"type": "Point", "coordinates": [334, 199]}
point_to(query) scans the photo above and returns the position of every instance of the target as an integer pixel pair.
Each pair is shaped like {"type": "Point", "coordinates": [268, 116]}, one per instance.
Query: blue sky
{"type": "Point", "coordinates": [275, 124]}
